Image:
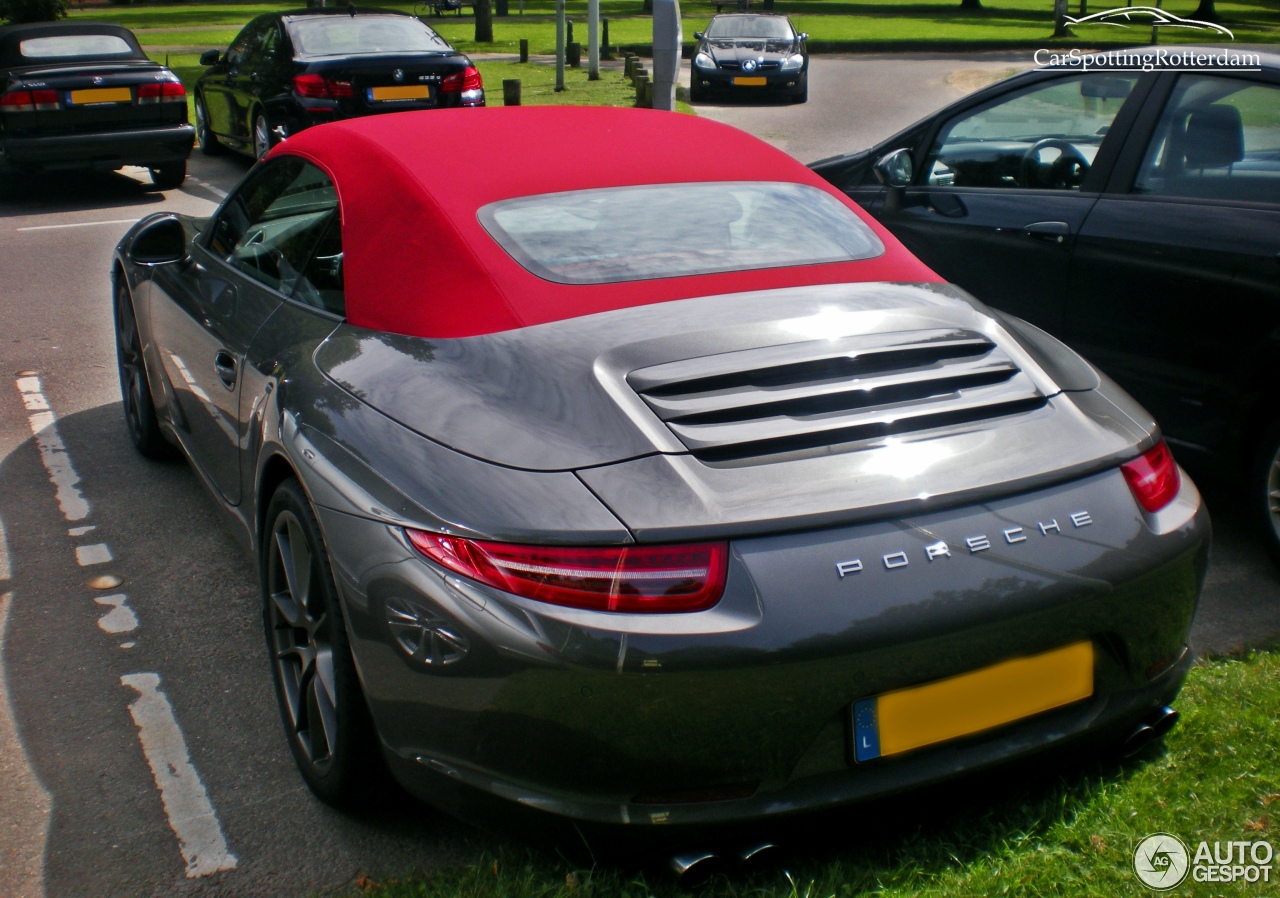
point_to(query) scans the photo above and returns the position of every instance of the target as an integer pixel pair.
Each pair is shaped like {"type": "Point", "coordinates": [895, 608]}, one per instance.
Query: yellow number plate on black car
{"type": "Point", "coordinates": [750, 82]}
{"type": "Point", "coordinates": [408, 92]}
{"type": "Point", "coordinates": [947, 709]}
{"type": "Point", "coordinates": [101, 95]}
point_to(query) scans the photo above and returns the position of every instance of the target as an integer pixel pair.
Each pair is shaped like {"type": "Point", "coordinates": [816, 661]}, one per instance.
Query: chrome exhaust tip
{"type": "Point", "coordinates": [758, 855]}
{"type": "Point", "coordinates": [695, 866]}
{"type": "Point", "coordinates": [1156, 725]}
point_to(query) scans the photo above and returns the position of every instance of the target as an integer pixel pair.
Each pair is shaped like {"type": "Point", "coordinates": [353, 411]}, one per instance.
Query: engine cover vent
{"type": "Point", "coordinates": [824, 393]}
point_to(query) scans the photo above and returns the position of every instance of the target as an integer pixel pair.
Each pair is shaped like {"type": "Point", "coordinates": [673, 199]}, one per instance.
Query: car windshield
{"type": "Point", "coordinates": [70, 46]}
{"type": "Point", "coordinates": [750, 26]}
{"type": "Point", "coordinates": [362, 35]}
{"type": "Point", "coordinates": [619, 234]}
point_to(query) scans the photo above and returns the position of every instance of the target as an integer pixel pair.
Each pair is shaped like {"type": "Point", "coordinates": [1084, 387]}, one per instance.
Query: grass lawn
{"type": "Point", "coordinates": [832, 24]}
{"type": "Point", "coordinates": [1216, 779]}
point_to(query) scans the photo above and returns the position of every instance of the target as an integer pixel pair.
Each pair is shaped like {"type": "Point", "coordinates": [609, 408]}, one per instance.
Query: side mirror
{"type": "Point", "coordinates": [699, 35]}
{"type": "Point", "coordinates": [802, 36]}
{"type": "Point", "coordinates": [160, 242]}
{"type": "Point", "coordinates": [894, 171]}
{"type": "Point", "coordinates": [210, 57]}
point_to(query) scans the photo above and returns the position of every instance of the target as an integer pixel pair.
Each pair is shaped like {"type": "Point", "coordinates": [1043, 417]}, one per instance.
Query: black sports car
{"type": "Point", "coordinates": [647, 488]}
{"type": "Point", "coordinates": [745, 54]}
{"type": "Point", "coordinates": [287, 71]}
{"type": "Point", "coordinates": [85, 96]}
{"type": "Point", "coordinates": [1135, 215]}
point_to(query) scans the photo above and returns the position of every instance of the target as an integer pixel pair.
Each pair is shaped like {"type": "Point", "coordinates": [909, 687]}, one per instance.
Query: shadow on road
{"type": "Point", "coordinates": [73, 192]}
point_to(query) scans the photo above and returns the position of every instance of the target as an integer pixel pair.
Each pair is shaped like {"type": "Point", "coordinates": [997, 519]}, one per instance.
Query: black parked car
{"type": "Point", "coordinates": [287, 71]}
{"type": "Point", "coordinates": [747, 53]}
{"type": "Point", "coordinates": [1134, 215]}
{"type": "Point", "coordinates": [85, 96]}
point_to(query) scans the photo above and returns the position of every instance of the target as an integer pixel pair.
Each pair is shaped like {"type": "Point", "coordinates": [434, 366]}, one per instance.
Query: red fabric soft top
{"type": "Point", "coordinates": [417, 260]}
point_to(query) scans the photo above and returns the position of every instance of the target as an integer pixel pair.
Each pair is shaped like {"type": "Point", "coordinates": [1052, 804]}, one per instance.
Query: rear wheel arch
{"type": "Point", "coordinates": [275, 471]}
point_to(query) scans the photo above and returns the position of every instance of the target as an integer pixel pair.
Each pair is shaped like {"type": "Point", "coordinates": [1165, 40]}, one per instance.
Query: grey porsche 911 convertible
{"type": "Point", "coordinates": [647, 488]}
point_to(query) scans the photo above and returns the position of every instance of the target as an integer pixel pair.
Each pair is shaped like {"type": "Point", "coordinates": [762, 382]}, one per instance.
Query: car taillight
{"type": "Point", "coordinates": [17, 101]}
{"type": "Point", "coordinates": [162, 92]}
{"type": "Point", "coordinates": [616, 578]}
{"type": "Point", "coordinates": [1153, 477]}
{"type": "Point", "coordinates": [319, 87]}
{"type": "Point", "coordinates": [45, 100]}
{"type": "Point", "coordinates": [468, 79]}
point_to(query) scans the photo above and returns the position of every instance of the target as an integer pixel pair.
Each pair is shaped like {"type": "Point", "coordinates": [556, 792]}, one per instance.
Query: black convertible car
{"type": "Point", "coordinates": [287, 71]}
{"type": "Point", "coordinates": [1135, 215]}
{"type": "Point", "coordinates": [746, 54]}
{"type": "Point", "coordinates": [85, 96]}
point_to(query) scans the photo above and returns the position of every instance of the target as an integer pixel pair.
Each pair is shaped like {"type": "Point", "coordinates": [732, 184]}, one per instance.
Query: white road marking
{"type": "Point", "coordinates": [81, 531]}
{"type": "Point", "coordinates": [25, 805]}
{"type": "Point", "coordinates": [81, 224]}
{"type": "Point", "coordinates": [53, 454]}
{"type": "Point", "coordinates": [216, 191]}
{"type": "Point", "coordinates": [186, 803]}
{"type": "Point", "coordinates": [98, 553]}
{"type": "Point", "coordinates": [120, 619]}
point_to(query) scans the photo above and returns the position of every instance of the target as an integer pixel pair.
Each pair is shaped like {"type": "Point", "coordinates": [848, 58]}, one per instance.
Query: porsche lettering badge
{"type": "Point", "coordinates": [979, 542]}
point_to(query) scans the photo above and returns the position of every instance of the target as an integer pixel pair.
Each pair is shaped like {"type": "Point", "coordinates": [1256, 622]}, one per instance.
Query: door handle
{"type": "Point", "coordinates": [1051, 231]}
{"type": "Point", "coordinates": [224, 365]}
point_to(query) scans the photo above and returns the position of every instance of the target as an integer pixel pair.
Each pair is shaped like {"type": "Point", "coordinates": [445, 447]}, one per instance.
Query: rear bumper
{"type": "Point", "coordinates": [105, 150]}
{"type": "Point", "coordinates": [745, 711]}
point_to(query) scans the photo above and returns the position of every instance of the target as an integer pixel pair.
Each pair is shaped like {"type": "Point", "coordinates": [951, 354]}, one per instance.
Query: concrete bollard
{"type": "Point", "coordinates": [640, 83]}
{"type": "Point", "coordinates": [573, 55]}
{"type": "Point", "coordinates": [510, 91]}
{"type": "Point", "coordinates": [628, 66]}
{"type": "Point", "coordinates": [647, 87]}
{"type": "Point", "coordinates": [639, 72]}
{"type": "Point", "coordinates": [524, 50]}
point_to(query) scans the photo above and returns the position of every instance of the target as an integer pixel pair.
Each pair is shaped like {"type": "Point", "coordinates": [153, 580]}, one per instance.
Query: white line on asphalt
{"type": "Point", "coordinates": [80, 531]}
{"type": "Point", "coordinates": [186, 803]}
{"type": "Point", "coordinates": [44, 425]}
{"type": "Point", "coordinates": [120, 619]}
{"type": "Point", "coordinates": [98, 553]}
{"type": "Point", "coordinates": [25, 805]}
{"type": "Point", "coordinates": [80, 224]}
{"type": "Point", "coordinates": [216, 191]}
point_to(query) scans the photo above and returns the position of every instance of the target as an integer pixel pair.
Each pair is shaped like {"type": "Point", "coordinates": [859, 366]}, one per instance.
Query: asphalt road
{"type": "Point", "coordinates": [140, 747]}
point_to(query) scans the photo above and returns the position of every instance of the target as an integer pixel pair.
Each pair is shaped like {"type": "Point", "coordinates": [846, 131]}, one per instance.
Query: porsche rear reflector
{"type": "Point", "coordinates": [1153, 477]}
{"type": "Point", "coordinates": [678, 578]}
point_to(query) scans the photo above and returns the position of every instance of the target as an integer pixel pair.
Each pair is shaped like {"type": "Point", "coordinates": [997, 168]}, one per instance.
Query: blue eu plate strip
{"type": "Point", "coordinates": [866, 731]}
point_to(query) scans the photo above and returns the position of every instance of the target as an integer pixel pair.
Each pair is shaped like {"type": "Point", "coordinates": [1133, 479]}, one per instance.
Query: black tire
{"type": "Point", "coordinates": [135, 389]}
{"type": "Point", "coordinates": [1264, 488]}
{"type": "Point", "coordinates": [697, 93]}
{"type": "Point", "coordinates": [260, 136]}
{"type": "Point", "coordinates": [803, 95]}
{"type": "Point", "coordinates": [170, 175]}
{"type": "Point", "coordinates": [321, 703]}
{"type": "Point", "coordinates": [208, 141]}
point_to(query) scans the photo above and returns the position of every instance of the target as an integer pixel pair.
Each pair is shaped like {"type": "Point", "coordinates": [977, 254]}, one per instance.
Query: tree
{"type": "Point", "coordinates": [484, 21]}
{"type": "Point", "coordinates": [1205, 11]}
{"type": "Point", "coordinates": [18, 12]}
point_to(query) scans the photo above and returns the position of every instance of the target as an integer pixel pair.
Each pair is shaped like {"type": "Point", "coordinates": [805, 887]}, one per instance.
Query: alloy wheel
{"type": "Point", "coordinates": [1273, 493]}
{"type": "Point", "coordinates": [301, 641]}
{"type": "Point", "coordinates": [129, 356]}
{"type": "Point", "coordinates": [261, 137]}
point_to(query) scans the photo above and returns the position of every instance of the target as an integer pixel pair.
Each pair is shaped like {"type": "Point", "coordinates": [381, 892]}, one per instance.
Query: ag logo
{"type": "Point", "coordinates": [1161, 861]}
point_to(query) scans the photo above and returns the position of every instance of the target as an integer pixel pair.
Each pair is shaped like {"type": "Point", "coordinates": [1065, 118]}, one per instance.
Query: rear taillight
{"type": "Point", "coordinates": [1153, 477]}
{"type": "Point", "coordinates": [319, 87]}
{"type": "Point", "coordinates": [468, 83]}
{"type": "Point", "coordinates": [615, 578]}
{"type": "Point", "coordinates": [45, 100]}
{"type": "Point", "coordinates": [162, 92]}
{"type": "Point", "coordinates": [17, 101]}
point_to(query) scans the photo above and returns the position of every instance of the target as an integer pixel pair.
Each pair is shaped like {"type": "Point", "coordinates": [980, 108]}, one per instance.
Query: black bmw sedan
{"type": "Point", "coordinates": [744, 54]}
{"type": "Point", "coordinates": [287, 71]}
{"type": "Point", "coordinates": [85, 96]}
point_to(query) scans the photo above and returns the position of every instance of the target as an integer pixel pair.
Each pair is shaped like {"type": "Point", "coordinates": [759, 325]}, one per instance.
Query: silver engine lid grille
{"type": "Point", "coordinates": [815, 395]}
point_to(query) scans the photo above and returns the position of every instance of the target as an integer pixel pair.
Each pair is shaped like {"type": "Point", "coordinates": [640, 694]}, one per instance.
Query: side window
{"type": "Point", "coordinates": [321, 282]}
{"type": "Point", "coordinates": [270, 227]}
{"type": "Point", "coordinates": [244, 44]}
{"type": "Point", "coordinates": [264, 52]}
{"type": "Point", "coordinates": [1045, 136]}
{"type": "Point", "coordinates": [1219, 138]}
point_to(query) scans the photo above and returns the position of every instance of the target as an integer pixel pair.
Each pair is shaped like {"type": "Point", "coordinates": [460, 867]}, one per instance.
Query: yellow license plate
{"type": "Point", "coordinates": [408, 92]}
{"type": "Point", "coordinates": [947, 709]}
{"type": "Point", "coordinates": [101, 95]}
{"type": "Point", "coordinates": [750, 82]}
